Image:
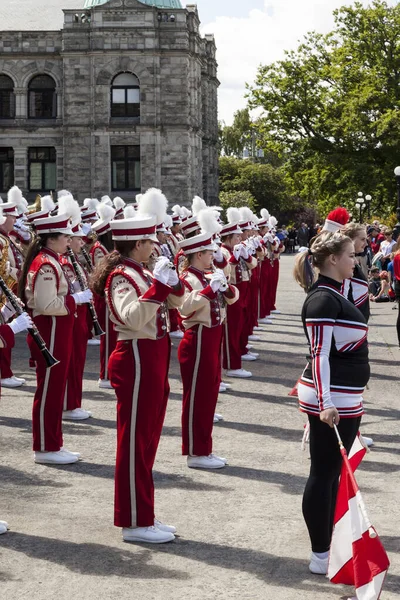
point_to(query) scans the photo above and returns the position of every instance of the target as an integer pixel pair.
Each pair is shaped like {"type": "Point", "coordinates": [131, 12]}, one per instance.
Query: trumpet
{"type": "Point", "coordinates": [96, 325]}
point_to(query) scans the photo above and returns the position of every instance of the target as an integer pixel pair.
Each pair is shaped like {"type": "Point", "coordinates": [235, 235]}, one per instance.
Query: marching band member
{"type": "Point", "coordinates": [264, 317]}
{"type": "Point", "coordinates": [21, 234]}
{"type": "Point", "coordinates": [101, 248]}
{"type": "Point", "coordinates": [171, 250]}
{"type": "Point", "coordinates": [14, 261]}
{"type": "Point", "coordinates": [199, 353]}
{"type": "Point", "coordinates": [277, 249]}
{"type": "Point", "coordinates": [138, 302]}
{"type": "Point", "coordinates": [72, 405]}
{"type": "Point", "coordinates": [119, 206]}
{"type": "Point", "coordinates": [45, 290]}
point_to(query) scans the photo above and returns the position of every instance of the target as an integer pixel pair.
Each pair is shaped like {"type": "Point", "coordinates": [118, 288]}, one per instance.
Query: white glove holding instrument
{"type": "Point", "coordinates": [218, 281]}
{"type": "Point", "coordinates": [20, 323]}
{"type": "Point", "coordinates": [218, 256]}
{"type": "Point", "coordinates": [173, 278]}
{"type": "Point", "coordinates": [268, 237]}
{"type": "Point", "coordinates": [7, 311]}
{"type": "Point", "coordinates": [83, 297]}
{"type": "Point", "coordinates": [162, 270]}
{"type": "Point", "coordinates": [245, 252]}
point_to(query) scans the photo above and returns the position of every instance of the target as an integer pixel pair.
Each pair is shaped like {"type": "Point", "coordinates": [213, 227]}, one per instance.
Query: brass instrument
{"type": "Point", "coordinates": [36, 206]}
{"type": "Point", "coordinates": [8, 280]}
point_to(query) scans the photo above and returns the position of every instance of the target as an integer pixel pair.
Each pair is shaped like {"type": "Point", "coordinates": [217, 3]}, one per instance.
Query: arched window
{"type": "Point", "coordinates": [42, 98]}
{"type": "Point", "coordinates": [125, 96]}
{"type": "Point", "coordinates": [7, 98]}
{"type": "Point", "coordinates": [6, 169]}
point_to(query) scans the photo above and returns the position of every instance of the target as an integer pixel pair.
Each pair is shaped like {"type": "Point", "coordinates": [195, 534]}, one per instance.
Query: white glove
{"type": "Point", "coordinates": [7, 311]}
{"type": "Point", "coordinates": [215, 281]}
{"type": "Point", "coordinates": [268, 237]}
{"type": "Point", "coordinates": [76, 287]}
{"type": "Point", "coordinates": [161, 270]}
{"type": "Point", "coordinates": [237, 251]}
{"type": "Point", "coordinates": [20, 323]}
{"type": "Point", "coordinates": [173, 279]}
{"type": "Point", "coordinates": [83, 297]}
{"type": "Point", "coordinates": [249, 244]}
{"type": "Point", "coordinates": [218, 256]}
{"type": "Point", "coordinates": [245, 252]}
{"type": "Point", "coordinates": [256, 243]}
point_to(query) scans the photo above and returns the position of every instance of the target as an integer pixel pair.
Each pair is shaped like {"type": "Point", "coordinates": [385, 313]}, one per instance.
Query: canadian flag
{"type": "Point", "coordinates": [357, 556]}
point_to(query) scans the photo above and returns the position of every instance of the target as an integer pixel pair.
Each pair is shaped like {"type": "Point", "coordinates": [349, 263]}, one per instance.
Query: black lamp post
{"type": "Point", "coordinates": [361, 204]}
{"type": "Point", "coordinates": [396, 229]}
{"type": "Point", "coordinates": [368, 199]}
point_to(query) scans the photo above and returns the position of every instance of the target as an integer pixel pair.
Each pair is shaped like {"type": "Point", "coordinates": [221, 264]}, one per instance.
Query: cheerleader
{"type": "Point", "coordinates": [101, 248]}
{"type": "Point", "coordinates": [331, 387]}
{"type": "Point", "coordinates": [45, 290]}
{"type": "Point", "coordinates": [199, 353]}
{"type": "Point", "coordinates": [138, 302]}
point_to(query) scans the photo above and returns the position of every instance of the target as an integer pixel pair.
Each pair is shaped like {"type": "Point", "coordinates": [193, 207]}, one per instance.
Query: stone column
{"type": "Point", "coordinates": [21, 168]}
{"type": "Point", "coordinates": [21, 103]}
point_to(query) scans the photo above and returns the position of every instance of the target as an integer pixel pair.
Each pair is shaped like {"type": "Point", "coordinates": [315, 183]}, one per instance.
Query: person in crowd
{"type": "Point", "coordinates": [396, 270]}
{"type": "Point", "coordinates": [386, 247]}
{"type": "Point", "coordinates": [303, 235]}
{"type": "Point", "coordinates": [292, 237]}
{"type": "Point", "coordinates": [374, 284]}
{"type": "Point", "coordinates": [331, 387]}
{"type": "Point", "coordinates": [383, 293]}
{"type": "Point", "coordinates": [375, 238]}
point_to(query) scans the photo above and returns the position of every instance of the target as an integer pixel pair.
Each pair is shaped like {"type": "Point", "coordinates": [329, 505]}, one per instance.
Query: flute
{"type": "Point", "coordinates": [87, 258]}
{"type": "Point", "coordinates": [33, 331]}
{"type": "Point", "coordinates": [96, 325]}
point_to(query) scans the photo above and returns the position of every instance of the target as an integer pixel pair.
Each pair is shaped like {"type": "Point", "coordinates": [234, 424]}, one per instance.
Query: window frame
{"type": "Point", "coordinates": [41, 90]}
{"type": "Point", "coordinates": [11, 93]}
{"type": "Point", "coordinates": [126, 104]}
{"type": "Point", "coordinates": [126, 161]}
{"type": "Point", "coordinates": [42, 162]}
{"type": "Point", "coordinates": [7, 162]}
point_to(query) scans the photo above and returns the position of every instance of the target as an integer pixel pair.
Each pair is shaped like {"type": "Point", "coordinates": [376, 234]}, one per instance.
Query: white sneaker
{"type": "Point", "coordinates": [255, 338]}
{"type": "Point", "coordinates": [239, 373]}
{"type": "Point", "coordinates": [94, 342]}
{"type": "Point", "coordinates": [77, 454]}
{"type": "Point", "coordinates": [105, 384]}
{"type": "Point", "coordinates": [249, 346]}
{"type": "Point", "coordinates": [148, 535]}
{"type": "Point", "coordinates": [204, 462]}
{"type": "Point", "coordinates": [12, 382]}
{"type": "Point", "coordinates": [163, 527]}
{"type": "Point", "coordinates": [3, 527]}
{"type": "Point", "coordinates": [318, 566]}
{"type": "Point", "coordinates": [227, 385]}
{"type": "Point", "coordinates": [257, 328]}
{"type": "Point", "coordinates": [276, 312]}
{"type": "Point", "coordinates": [55, 458]}
{"type": "Point", "coordinates": [256, 354]}
{"type": "Point", "coordinates": [266, 321]}
{"type": "Point", "coordinates": [367, 441]}
{"type": "Point", "coordinates": [176, 334]}
{"type": "Point", "coordinates": [219, 458]}
{"type": "Point", "coordinates": [78, 414]}
{"type": "Point", "coordinates": [222, 387]}
{"type": "Point", "coordinates": [218, 417]}
{"type": "Point", "coordinates": [215, 420]}
{"type": "Point", "coordinates": [249, 357]}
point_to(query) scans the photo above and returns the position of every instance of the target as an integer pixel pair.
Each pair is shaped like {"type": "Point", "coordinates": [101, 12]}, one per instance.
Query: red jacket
{"type": "Point", "coordinates": [376, 242]}
{"type": "Point", "coordinates": [396, 266]}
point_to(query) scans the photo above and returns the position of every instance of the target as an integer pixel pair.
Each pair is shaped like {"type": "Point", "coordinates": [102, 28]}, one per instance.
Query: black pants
{"type": "Point", "coordinates": [319, 497]}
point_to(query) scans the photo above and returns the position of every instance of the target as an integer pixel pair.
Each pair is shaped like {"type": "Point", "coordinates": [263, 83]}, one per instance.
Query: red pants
{"type": "Point", "coordinates": [245, 303]}
{"type": "Point", "coordinates": [107, 341]}
{"type": "Point", "coordinates": [5, 363]}
{"type": "Point", "coordinates": [274, 284]}
{"type": "Point", "coordinates": [174, 319]}
{"type": "Point", "coordinates": [49, 396]}
{"type": "Point", "coordinates": [199, 356]}
{"type": "Point", "coordinates": [73, 391]}
{"type": "Point", "coordinates": [265, 284]}
{"type": "Point", "coordinates": [139, 375]}
{"type": "Point", "coordinates": [255, 297]}
{"type": "Point", "coordinates": [232, 354]}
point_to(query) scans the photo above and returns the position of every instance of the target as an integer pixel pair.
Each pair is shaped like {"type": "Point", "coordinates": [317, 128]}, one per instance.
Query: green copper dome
{"type": "Point", "coordinates": [156, 3]}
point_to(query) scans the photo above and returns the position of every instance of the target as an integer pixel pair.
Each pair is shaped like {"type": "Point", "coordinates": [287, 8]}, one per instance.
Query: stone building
{"type": "Point", "coordinates": [107, 96]}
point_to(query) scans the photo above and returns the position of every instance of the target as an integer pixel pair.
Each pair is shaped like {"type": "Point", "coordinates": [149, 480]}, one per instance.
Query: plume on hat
{"type": "Point", "coordinates": [233, 215]}
{"type": "Point", "coordinates": [272, 222]}
{"type": "Point", "coordinates": [208, 221]}
{"type": "Point", "coordinates": [68, 206]}
{"type": "Point", "coordinates": [138, 198]}
{"type": "Point", "coordinates": [62, 193]}
{"type": "Point", "coordinates": [198, 204]}
{"type": "Point", "coordinates": [106, 200]}
{"type": "Point", "coordinates": [168, 222]}
{"type": "Point", "coordinates": [14, 195]}
{"type": "Point", "coordinates": [264, 214]}
{"type": "Point", "coordinates": [91, 203]}
{"type": "Point", "coordinates": [119, 203]}
{"type": "Point", "coordinates": [47, 204]}
{"type": "Point", "coordinates": [245, 213]}
{"type": "Point", "coordinates": [106, 212]}
{"type": "Point", "coordinates": [129, 212]}
{"type": "Point", "coordinates": [185, 212]}
{"type": "Point", "coordinates": [153, 202]}
{"type": "Point", "coordinates": [176, 210]}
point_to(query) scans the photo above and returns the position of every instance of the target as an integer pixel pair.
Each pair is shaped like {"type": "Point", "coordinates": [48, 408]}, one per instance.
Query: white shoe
{"type": "Point", "coordinates": [266, 321]}
{"type": "Point", "coordinates": [256, 354]}
{"type": "Point", "coordinates": [249, 347]}
{"type": "Point", "coordinates": [215, 420]}
{"type": "Point", "coordinates": [55, 458]}
{"type": "Point", "coordinates": [176, 334]}
{"type": "Point", "coordinates": [219, 458]}
{"type": "Point", "coordinates": [257, 328]}
{"type": "Point", "coordinates": [94, 342]}
{"type": "Point", "coordinates": [255, 338]}
{"type": "Point", "coordinates": [222, 387]}
{"type": "Point", "coordinates": [78, 414]}
{"type": "Point", "coordinates": [77, 454]}
{"type": "Point", "coordinates": [12, 382]}
{"type": "Point", "coordinates": [318, 566]}
{"type": "Point", "coordinates": [3, 527]}
{"type": "Point", "coordinates": [276, 312]}
{"type": "Point", "coordinates": [204, 462]}
{"type": "Point", "coordinates": [249, 357]}
{"type": "Point", "coordinates": [218, 417]}
{"type": "Point", "coordinates": [239, 373]}
{"type": "Point", "coordinates": [105, 384]}
{"type": "Point", "coordinates": [163, 527]}
{"type": "Point", "coordinates": [148, 535]}
{"type": "Point", "coordinates": [227, 385]}
{"type": "Point", "coordinates": [367, 441]}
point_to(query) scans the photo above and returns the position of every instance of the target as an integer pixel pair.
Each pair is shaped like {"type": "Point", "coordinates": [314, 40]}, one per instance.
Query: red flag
{"type": "Point", "coordinates": [357, 556]}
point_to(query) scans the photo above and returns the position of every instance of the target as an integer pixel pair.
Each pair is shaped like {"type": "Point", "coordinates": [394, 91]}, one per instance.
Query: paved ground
{"type": "Point", "coordinates": [241, 530]}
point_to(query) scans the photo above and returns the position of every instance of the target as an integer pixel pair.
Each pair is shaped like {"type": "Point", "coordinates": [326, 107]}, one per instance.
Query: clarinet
{"type": "Point", "coordinates": [96, 325]}
{"type": "Point", "coordinates": [33, 331]}
{"type": "Point", "coordinates": [87, 258]}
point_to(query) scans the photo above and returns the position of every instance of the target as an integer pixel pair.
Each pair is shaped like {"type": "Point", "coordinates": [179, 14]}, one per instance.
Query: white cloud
{"type": "Point", "coordinates": [261, 38]}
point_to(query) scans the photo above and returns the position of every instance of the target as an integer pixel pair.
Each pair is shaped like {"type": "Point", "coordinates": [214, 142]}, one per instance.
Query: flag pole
{"type": "Point", "coordinates": [359, 498]}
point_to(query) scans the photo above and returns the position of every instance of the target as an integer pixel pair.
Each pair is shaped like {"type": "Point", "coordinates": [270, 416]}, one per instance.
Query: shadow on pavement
{"type": "Point", "coordinates": [8, 476]}
{"type": "Point", "coordinates": [91, 559]}
{"type": "Point", "coordinates": [289, 484]}
{"type": "Point", "coordinates": [280, 433]}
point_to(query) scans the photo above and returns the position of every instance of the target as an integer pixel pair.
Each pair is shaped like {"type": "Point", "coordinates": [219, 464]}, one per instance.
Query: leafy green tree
{"type": "Point", "coordinates": [238, 136]}
{"type": "Point", "coordinates": [237, 199]}
{"type": "Point", "coordinates": [332, 109]}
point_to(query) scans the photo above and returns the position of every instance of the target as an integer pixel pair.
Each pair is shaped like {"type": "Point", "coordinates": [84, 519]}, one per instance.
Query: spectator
{"type": "Point", "coordinates": [303, 235]}
{"type": "Point", "coordinates": [375, 238]}
{"type": "Point", "coordinates": [396, 265]}
{"type": "Point", "coordinates": [387, 247]}
{"type": "Point", "coordinates": [291, 241]}
{"type": "Point", "coordinates": [374, 285]}
{"type": "Point", "coordinates": [383, 293]}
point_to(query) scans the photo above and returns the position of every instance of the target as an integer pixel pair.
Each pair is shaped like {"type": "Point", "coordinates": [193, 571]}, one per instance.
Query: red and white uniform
{"type": "Point", "coordinates": [138, 366]}
{"type": "Point", "coordinates": [53, 310]}
{"type": "Point", "coordinates": [109, 339]}
{"type": "Point", "coordinates": [203, 313]}
{"type": "Point", "coordinates": [81, 335]}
